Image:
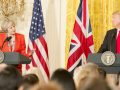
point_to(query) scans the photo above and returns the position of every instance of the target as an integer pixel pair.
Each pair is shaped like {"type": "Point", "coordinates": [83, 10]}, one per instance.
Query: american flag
{"type": "Point", "coordinates": [82, 41]}
{"type": "Point", "coordinates": [38, 42]}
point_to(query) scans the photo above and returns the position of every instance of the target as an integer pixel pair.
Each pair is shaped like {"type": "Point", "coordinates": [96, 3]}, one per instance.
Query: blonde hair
{"type": "Point", "coordinates": [85, 72]}
{"type": "Point", "coordinates": [116, 13]}
{"type": "Point", "coordinates": [6, 24]}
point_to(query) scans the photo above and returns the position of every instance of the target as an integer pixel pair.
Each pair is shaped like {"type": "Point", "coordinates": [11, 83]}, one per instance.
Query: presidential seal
{"type": "Point", "coordinates": [108, 58]}
{"type": "Point", "coordinates": [1, 56]}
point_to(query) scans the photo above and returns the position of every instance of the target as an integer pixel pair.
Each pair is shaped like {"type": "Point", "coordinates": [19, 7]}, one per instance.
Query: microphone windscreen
{"type": "Point", "coordinates": [8, 38]}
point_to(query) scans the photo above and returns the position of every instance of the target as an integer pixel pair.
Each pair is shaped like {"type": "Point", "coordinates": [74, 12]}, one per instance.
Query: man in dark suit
{"type": "Point", "coordinates": [109, 43]}
{"type": "Point", "coordinates": [112, 43]}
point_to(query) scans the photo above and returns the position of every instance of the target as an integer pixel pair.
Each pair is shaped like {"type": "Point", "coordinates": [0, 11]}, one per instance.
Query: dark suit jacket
{"type": "Point", "coordinates": [109, 43]}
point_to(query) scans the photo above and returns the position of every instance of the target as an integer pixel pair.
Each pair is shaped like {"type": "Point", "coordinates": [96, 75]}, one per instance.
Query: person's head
{"type": "Point", "coordinates": [91, 69]}
{"type": "Point", "coordinates": [116, 19]}
{"type": "Point", "coordinates": [2, 66]}
{"type": "Point", "coordinates": [8, 26]}
{"type": "Point", "coordinates": [95, 84]}
{"type": "Point", "coordinates": [86, 71]}
{"type": "Point", "coordinates": [84, 76]}
{"type": "Point", "coordinates": [10, 78]}
{"type": "Point", "coordinates": [29, 80]}
{"type": "Point", "coordinates": [64, 78]}
{"type": "Point", "coordinates": [48, 86]}
{"type": "Point", "coordinates": [102, 73]}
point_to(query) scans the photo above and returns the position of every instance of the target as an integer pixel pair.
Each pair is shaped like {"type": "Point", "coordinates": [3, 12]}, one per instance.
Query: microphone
{"type": "Point", "coordinates": [6, 40]}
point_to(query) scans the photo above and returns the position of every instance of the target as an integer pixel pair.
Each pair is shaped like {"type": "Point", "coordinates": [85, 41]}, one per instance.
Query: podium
{"type": "Point", "coordinates": [110, 69]}
{"type": "Point", "coordinates": [15, 58]}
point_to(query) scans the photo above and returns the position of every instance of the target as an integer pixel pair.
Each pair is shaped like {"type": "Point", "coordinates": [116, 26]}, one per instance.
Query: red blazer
{"type": "Point", "coordinates": [20, 45]}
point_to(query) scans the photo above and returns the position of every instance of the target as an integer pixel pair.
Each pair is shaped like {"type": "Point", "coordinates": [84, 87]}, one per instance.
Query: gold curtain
{"type": "Point", "coordinates": [72, 6]}
{"type": "Point", "coordinates": [100, 15]}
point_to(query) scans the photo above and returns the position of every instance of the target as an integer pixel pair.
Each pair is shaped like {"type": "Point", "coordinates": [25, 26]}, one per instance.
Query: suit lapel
{"type": "Point", "coordinates": [113, 41]}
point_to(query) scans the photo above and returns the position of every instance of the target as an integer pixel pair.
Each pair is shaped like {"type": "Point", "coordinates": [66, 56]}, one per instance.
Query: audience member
{"type": "Point", "coordinates": [48, 86]}
{"type": "Point", "coordinates": [64, 78]}
{"type": "Point", "coordinates": [95, 84]}
{"type": "Point", "coordinates": [10, 78]}
{"type": "Point", "coordinates": [102, 73]}
{"type": "Point", "coordinates": [85, 71]}
{"type": "Point", "coordinates": [29, 81]}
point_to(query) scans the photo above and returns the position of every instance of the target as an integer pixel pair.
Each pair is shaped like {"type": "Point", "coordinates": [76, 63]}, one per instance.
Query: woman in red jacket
{"type": "Point", "coordinates": [16, 43]}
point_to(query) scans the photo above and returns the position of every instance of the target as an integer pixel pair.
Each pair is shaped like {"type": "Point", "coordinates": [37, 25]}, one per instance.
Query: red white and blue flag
{"type": "Point", "coordinates": [82, 40]}
{"type": "Point", "coordinates": [38, 42]}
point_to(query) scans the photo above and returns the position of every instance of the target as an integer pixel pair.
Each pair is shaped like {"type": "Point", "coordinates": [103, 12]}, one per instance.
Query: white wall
{"type": "Point", "coordinates": [55, 20]}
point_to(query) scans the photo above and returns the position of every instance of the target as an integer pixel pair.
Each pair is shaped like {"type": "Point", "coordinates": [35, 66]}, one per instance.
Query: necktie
{"type": "Point", "coordinates": [118, 43]}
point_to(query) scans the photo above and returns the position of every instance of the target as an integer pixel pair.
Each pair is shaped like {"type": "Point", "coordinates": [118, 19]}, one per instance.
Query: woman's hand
{"type": "Point", "coordinates": [31, 52]}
